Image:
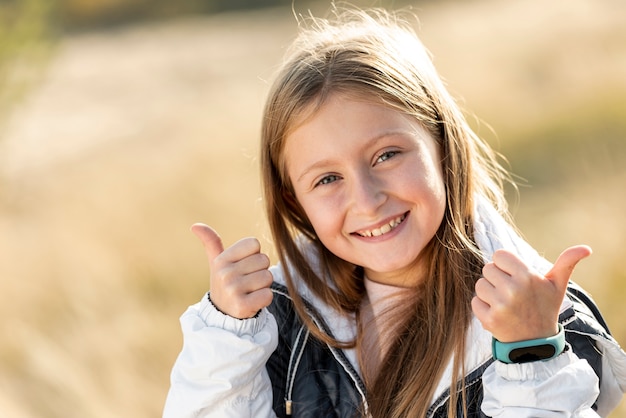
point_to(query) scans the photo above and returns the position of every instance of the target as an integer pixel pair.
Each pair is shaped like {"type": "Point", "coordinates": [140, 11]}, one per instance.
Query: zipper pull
{"type": "Point", "coordinates": [288, 406]}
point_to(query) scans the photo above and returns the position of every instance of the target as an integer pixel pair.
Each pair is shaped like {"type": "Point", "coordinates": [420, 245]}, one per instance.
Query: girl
{"type": "Point", "coordinates": [402, 290]}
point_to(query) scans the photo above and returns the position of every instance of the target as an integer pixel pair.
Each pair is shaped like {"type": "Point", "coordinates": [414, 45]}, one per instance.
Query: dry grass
{"type": "Point", "coordinates": [137, 133]}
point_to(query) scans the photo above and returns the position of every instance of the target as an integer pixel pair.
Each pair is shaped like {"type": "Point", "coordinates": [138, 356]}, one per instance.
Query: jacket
{"type": "Point", "coordinates": [270, 365]}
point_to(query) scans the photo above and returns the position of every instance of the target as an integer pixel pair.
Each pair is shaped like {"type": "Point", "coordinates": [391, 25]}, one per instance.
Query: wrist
{"type": "Point", "coordinates": [215, 318]}
{"type": "Point", "coordinates": [540, 349]}
{"type": "Point", "coordinates": [208, 295]}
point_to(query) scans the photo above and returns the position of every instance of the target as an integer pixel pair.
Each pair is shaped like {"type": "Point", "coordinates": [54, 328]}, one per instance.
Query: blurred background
{"type": "Point", "coordinates": [122, 122]}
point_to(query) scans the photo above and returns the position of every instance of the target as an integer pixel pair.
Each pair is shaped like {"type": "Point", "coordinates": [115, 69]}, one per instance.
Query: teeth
{"type": "Point", "coordinates": [383, 229]}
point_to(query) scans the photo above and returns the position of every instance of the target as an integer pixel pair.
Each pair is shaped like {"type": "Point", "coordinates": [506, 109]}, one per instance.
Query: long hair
{"type": "Point", "coordinates": [377, 55]}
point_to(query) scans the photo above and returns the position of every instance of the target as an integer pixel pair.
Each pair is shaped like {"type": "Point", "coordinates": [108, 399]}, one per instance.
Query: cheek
{"type": "Point", "coordinates": [429, 193]}
{"type": "Point", "coordinates": [435, 187]}
{"type": "Point", "coordinates": [425, 185]}
{"type": "Point", "coordinates": [438, 203]}
{"type": "Point", "coordinates": [438, 192]}
{"type": "Point", "coordinates": [324, 217]}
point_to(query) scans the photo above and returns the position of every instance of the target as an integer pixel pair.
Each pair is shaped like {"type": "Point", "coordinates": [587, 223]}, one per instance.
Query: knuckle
{"type": "Point", "coordinates": [488, 269]}
{"type": "Point", "coordinates": [262, 260]}
{"type": "Point", "coordinates": [266, 277]}
{"type": "Point", "coordinates": [251, 244]}
{"type": "Point", "coordinates": [266, 297]}
{"type": "Point", "coordinates": [232, 293]}
{"type": "Point", "coordinates": [223, 277]}
{"type": "Point", "coordinates": [478, 286]}
{"type": "Point", "coordinates": [477, 305]}
{"type": "Point", "coordinates": [509, 293]}
{"type": "Point", "coordinates": [266, 260]}
{"type": "Point", "coordinates": [498, 254]}
{"type": "Point", "coordinates": [501, 254]}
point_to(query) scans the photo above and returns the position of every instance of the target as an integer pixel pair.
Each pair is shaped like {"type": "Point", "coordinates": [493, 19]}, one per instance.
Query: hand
{"type": "Point", "coordinates": [240, 279]}
{"type": "Point", "coordinates": [516, 303]}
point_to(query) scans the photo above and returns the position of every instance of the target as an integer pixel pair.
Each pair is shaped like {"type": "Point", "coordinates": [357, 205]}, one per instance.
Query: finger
{"type": "Point", "coordinates": [495, 275]}
{"type": "Point", "coordinates": [210, 240]}
{"type": "Point", "coordinates": [510, 263]}
{"type": "Point", "coordinates": [242, 249]}
{"type": "Point", "coordinates": [247, 295]}
{"type": "Point", "coordinates": [256, 263]}
{"type": "Point", "coordinates": [251, 304]}
{"type": "Point", "coordinates": [241, 275]}
{"type": "Point", "coordinates": [565, 264]}
{"type": "Point", "coordinates": [258, 300]}
{"type": "Point", "coordinates": [258, 280]}
{"type": "Point", "coordinates": [481, 310]}
{"type": "Point", "coordinates": [485, 291]}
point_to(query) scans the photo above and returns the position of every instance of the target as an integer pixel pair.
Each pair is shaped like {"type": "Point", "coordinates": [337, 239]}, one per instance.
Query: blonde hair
{"type": "Point", "coordinates": [377, 55]}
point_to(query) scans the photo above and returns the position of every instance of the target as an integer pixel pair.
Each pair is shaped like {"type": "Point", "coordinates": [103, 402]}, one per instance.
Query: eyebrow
{"type": "Point", "coordinates": [318, 164]}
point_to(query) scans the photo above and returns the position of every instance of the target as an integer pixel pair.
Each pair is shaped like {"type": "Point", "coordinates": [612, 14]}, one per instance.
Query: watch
{"type": "Point", "coordinates": [529, 350]}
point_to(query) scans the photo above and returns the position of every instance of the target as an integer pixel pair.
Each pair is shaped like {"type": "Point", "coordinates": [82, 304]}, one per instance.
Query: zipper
{"type": "Point", "coordinates": [294, 361]}
{"type": "Point", "coordinates": [337, 353]}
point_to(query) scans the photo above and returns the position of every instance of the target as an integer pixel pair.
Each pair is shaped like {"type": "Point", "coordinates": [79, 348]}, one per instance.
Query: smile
{"type": "Point", "coordinates": [386, 228]}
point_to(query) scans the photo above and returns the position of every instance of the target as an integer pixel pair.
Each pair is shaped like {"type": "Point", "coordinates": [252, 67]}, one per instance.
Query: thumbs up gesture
{"type": "Point", "coordinates": [516, 303]}
{"type": "Point", "coordinates": [240, 279]}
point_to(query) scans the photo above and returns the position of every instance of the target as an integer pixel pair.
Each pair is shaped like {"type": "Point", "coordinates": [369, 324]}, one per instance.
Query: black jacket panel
{"type": "Point", "coordinates": [319, 382]}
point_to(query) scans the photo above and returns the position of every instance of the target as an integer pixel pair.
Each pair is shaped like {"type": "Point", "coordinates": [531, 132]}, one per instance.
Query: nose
{"type": "Point", "coordinates": [367, 193]}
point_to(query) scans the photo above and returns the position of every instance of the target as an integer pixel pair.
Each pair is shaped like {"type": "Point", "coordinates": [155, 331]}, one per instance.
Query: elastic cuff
{"type": "Point", "coordinates": [540, 370]}
{"type": "Point", "coordinates": [213, 317]}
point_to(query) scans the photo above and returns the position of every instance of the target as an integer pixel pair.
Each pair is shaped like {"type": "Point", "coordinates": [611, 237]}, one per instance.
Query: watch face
{"type": "Point", "coordinates": [528, 354]}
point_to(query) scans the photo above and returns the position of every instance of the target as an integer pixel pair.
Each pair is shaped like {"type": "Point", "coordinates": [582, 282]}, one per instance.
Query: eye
{"type": "Point", "coordinates": [386, 155]}
{"type": "Point", "coordinates": [331, 178]}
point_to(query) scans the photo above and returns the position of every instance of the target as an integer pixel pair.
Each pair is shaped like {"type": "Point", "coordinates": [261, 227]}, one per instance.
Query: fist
{"type": "Point", "coordinates": [516, 303]}
{"type": "Point", "coordinates": [240, 279]}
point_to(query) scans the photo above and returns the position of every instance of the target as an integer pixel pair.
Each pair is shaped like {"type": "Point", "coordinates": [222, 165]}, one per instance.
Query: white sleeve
{"type": "Point", "coordinates": [565, 386]}
{"type": "Point", "coordinates": [220, 371]}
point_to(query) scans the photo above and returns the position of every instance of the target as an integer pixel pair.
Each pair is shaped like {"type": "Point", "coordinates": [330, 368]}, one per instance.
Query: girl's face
{"type": "Point", "coordinates": [369, 179]}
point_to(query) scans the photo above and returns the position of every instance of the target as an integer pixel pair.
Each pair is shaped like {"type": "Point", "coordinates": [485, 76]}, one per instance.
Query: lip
{"type": "Point", "coordinates": [373, 233]}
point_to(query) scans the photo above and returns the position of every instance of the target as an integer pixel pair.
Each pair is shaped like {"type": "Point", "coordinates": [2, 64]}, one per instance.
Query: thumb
{"type": "Point", "coordinates": [565, 264]}
{"type": "Point", "coordinates": [210, 240]}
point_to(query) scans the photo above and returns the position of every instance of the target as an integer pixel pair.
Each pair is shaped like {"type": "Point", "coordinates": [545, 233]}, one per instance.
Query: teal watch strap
{"type": "Point", "coordinates": [529, 350]}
